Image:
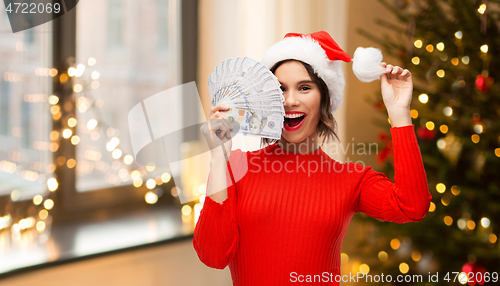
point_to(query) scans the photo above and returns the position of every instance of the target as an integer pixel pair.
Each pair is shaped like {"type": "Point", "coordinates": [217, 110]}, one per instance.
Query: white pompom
{"type": "Point", "coordinates": [366, 64]}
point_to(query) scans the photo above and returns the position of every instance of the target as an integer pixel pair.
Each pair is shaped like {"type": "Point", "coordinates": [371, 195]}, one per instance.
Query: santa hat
{"type": "Point", "coordinates": [321, 52]}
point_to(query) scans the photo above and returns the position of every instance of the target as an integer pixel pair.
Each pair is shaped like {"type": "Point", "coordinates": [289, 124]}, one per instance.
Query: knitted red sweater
{"type": "Point", "coordinates": [289, 212]}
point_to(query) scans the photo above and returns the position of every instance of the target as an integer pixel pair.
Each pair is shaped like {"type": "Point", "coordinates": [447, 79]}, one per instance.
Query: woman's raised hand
{"type": "Point", "coordinates": [397, 88]}
{"type": "Point", "coordinates": [216, 131]}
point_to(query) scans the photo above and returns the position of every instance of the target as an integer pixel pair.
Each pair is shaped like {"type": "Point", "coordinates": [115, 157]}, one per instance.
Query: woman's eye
{"type": "Point", "coordinates": [304, 88]}
{"type": "Point", "coordinates": [282, 89]}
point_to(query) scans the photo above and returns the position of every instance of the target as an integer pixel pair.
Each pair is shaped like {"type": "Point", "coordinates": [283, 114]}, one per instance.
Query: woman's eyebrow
{"type": "Point", "coordinates": [305, 81]}
{"type": "Point", "coordinates": [301, 82]}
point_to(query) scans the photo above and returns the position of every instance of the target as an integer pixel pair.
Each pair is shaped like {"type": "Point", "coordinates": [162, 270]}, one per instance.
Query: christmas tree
{"type": "Point", "coordinates": [451, 48]}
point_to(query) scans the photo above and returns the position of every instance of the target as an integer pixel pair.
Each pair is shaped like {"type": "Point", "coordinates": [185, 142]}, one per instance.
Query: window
{"type": "Point", "coordinates": [112, 86]}
{"type": "Point", "coordinates": [4, 106]}
{"type": "Point", "coordinates": [66, 88]}
{"type": "Point", "coordinates": [163, 24]}
{"type": "Point", "coordinates": [26, 124]}
{"type": "Point", "coordinates": [25, 119]}
{"type": "Point", "coordinates": [29, 34]}
{"type": "Point", "coordinates": [115, 21]}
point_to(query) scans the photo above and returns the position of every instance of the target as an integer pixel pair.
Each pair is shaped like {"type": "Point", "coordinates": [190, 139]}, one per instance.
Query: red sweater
{"type": "Point", "coordinates": [289, 212]}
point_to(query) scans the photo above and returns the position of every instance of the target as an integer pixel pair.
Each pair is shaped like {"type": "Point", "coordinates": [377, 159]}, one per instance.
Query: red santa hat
{"type": "Point", "coordinates": [321, 52]}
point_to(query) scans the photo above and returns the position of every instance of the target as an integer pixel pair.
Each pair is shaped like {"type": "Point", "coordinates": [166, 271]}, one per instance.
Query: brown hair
{"type": "Point", "coordinates": [327, 125]}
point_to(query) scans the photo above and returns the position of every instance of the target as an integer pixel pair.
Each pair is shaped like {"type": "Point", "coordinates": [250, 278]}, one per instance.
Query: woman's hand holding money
{"type": "Point", "coordinates": [217, 133]}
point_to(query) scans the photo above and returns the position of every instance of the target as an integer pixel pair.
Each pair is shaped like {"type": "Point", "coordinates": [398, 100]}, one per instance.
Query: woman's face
{"type": "Point", "coordinates": [302, 98]}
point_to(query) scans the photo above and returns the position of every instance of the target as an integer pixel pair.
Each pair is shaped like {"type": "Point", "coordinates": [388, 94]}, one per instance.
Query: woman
{"type": "Point", "coordinates": [278, 215]}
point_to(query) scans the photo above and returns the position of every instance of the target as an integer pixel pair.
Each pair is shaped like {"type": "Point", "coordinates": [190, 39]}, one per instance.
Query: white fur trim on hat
{"type": "Point", "coordinates": [309, 51]}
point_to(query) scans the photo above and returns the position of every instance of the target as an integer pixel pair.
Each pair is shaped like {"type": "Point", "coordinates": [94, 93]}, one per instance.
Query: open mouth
{"type": "Point", "coordinates": [294, 121]}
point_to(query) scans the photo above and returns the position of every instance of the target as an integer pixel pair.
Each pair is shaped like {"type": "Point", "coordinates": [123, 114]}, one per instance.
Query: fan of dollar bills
{"type": "Point", "coordinates": [253, 94]}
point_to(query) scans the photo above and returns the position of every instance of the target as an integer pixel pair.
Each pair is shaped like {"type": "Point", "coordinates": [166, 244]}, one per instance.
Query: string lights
{"type": "Point", "coordinates": [121, 170]}
{"type": "Point", "coordinates": [456, 95]}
